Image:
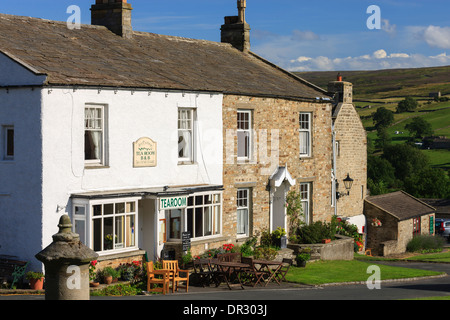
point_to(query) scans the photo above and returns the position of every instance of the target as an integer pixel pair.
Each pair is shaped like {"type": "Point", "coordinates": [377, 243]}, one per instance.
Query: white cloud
{"type": "Point", "coordinates": [437, 37]}
{"type": "Point", "coordinates": [380, 59]}
{"type": "Point", "coordinates": [298, 35]}
{"type": "Point", "coordinates": [388, 27]}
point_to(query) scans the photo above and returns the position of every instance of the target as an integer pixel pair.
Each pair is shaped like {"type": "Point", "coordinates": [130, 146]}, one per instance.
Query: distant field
{"type": "Point", "coordinates": [381, 84]}
{"type": "Point", "coordinates": [385, 88]}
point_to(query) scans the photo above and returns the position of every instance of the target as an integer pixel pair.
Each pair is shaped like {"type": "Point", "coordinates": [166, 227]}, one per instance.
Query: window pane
{"type": "Point", "coordinates": [120, 207]}
{"type": "Point", "coordinates": [120, 232]}
{"type": "Point", "coordinates": [207, 217]}
{"type": "Point", "coordinates": [92, 145]}
{"type": "Point", "coordinates": [108, 209]}
{"type": "Point", "coordinates": [80, 211]}
{"type": "Point", "coordinates": [242, 221]}
{"type": "Point", "coordinates": [97, 235]}
{"type": "Point", "coordinates": [80, 228]}
{"type": "Point", "coordinates": [130, 234]}
{"type": "Point", "coordinates": [198, 200]}
{"type": "Point", "coordinates": [130, 207]}
{"type": "Point", "coordinates": [184, 144]}
{"type": "Point", "coordinates": [109, 234]}
{"type": "Point", "coordinates": [216, 219]}
{"type": "Point", "coordinates": [97, 210]}
{"type": "Point", "coordinates": [243, 144]}
{"type": "Point", "coordinates": [198, 222]}
{"type": "Point", "coordinates": [190, 221]}
{"type": "Point", "coordinates": [10, 142]}
{"type": "Point", "coordinates": [175, 224]}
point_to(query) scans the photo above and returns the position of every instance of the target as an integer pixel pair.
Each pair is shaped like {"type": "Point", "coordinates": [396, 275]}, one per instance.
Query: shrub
{"type": "Point", "coordinates": [425, 243]}
{"type": "Point", "coordinates": [248, 247]}
{"type": "Point", "coordinates": [316, 232]}
{"type": "Point", "coordinates": [265, 253]}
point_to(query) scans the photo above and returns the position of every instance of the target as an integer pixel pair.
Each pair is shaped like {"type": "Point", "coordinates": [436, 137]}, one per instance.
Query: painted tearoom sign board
{"type": "Point", "coordinates": [145, 153]}
{"type": "Point", "coordinates": [178, 202]}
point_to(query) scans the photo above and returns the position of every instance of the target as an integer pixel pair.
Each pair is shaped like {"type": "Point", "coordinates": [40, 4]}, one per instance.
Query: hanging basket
{"type": "Point", "coordinates": [376, 223]}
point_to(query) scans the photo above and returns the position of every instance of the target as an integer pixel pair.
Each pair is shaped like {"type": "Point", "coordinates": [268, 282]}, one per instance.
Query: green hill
{"type": "Point", "coordinates": [389, 83]}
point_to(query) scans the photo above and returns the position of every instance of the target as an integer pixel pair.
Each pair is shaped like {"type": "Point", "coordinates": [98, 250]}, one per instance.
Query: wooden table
{"type": "Point", "coordinates": [229, 269]}
{"type": "Point", "coordinates": [265, 264]}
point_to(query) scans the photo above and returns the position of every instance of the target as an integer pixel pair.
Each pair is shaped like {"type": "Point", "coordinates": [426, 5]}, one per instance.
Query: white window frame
{"type": "Point", "coordinates": [214, 223]}
{"type": "Point", "coordinates": [243, 202]}
{"type": "Point", "coordinates": [89, 219]}
{"type": "Point", "coordinates": [6, 131]}
{"type": "Point", "coordinates": [305, 199]}
{"type": "Point", "coordinates": [102, 130]}
{"type": "Point", "coordinates": [305, 129]}
{"type": "Point", "coordinates": [186, 127]}
{"type": "Point", "coordinates": [245, 133]}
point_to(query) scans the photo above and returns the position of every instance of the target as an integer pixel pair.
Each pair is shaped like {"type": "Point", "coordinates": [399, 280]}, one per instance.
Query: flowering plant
{"type": "Point", "coordinates": [376, 222]}
{"type": "Point", "coordinates": [228, 247]}
{"type": "Point", "coordinates": [92, 273]}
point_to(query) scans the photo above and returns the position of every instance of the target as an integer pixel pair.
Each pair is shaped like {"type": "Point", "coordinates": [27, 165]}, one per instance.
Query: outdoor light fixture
{"type": "Point", "coordinates": [348, 182]}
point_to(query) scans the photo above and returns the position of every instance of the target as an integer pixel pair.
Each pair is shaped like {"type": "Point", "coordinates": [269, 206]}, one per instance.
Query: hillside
{"type": "Point", "coordinates": [388, 83]}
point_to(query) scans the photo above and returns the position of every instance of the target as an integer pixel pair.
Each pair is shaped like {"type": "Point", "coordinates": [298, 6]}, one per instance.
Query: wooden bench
{"type": "Point", "coordinates": [12, 270]}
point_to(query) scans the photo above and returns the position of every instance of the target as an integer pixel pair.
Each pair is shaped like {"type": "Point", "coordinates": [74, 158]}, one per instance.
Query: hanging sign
{"type": "Point", "coordinates": [145, 153]}
{"type": "Point", "coordinates": [186, 241]}
{"type": "Point", "coordinates": [178, 202]}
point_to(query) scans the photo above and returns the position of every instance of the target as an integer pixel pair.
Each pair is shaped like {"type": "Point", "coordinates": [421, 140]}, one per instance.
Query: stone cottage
{"type": "Point", "coordinates": [143, 139]}
{"type": "Point", "coordinates": [394, 219]}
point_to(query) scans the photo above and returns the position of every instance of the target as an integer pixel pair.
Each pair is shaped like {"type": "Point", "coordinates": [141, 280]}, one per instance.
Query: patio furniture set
{"type": "Point", "coordinates": [229, 268]}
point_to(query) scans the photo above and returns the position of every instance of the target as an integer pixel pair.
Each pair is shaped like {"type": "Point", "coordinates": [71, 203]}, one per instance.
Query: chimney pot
{"type": "Point", "coordinates": [236, 31]}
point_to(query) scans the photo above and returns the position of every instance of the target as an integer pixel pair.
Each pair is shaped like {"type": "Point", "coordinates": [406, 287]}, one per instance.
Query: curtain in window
{"type": "Point", "coordinates": [93, 134]}
{"type": "Point", "coordinates": [304, 142]}
{"type": "Point", "coordinates": [184, 134]}
{"type": "Point", "coordinates": [242, 218]}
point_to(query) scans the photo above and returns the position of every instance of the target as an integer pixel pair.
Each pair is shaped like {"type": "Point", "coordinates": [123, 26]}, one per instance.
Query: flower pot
{"type": "Point", "coordinates": [325, 241]}
{"type": "Point", "coordinates": [37, 284]}
{"type": "Point", "coordinates": [301, 263]}
{"type": "Point", "coordinates": [108, 279]}
{"type": "Point", "coordinates": [94, 284]}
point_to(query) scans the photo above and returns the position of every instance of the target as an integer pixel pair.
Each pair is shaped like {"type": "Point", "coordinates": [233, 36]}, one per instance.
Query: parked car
{"type": "Point", "coordinates": [442, 228]}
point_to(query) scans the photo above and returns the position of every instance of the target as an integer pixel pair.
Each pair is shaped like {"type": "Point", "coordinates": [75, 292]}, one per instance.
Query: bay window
{"type": "Point", "coordinates": [204, 214]}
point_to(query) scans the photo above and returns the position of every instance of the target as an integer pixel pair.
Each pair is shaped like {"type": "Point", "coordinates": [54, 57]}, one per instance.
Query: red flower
{"type": "Point", "coordinates": [94, 263]}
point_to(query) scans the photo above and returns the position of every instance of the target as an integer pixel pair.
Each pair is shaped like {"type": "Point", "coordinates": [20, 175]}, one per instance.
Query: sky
{"type": "Point", "coordinates": [298, 35]}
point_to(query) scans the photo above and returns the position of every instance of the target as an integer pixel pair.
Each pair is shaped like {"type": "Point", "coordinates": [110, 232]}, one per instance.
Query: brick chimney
{"type": "Point", "coordinates": [113, 14]}
{"type": "Point", "coordinates": [342, 90]}
{"type": "Point", "coordinates": [236, 31]}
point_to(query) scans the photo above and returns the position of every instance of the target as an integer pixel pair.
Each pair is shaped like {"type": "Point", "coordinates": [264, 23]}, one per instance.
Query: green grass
{"type": "Point", "coordinates": [322, 272]}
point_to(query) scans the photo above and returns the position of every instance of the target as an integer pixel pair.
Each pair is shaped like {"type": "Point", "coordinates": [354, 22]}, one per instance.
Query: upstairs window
{"type": "Point", "coordinates": [8, 136]}
{"type": "Point", "coordinates": [244, 134]}
{"type": "Point", "coordinates": [94, 135]}
{"type": "Point", "coordinates": [305, 134]}
{"type": "Point", "coordinates": [185, 135]}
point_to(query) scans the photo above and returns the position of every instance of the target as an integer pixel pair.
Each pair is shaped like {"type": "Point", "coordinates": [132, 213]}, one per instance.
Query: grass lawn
{"type": "Point", "coordinates": [322, 272]}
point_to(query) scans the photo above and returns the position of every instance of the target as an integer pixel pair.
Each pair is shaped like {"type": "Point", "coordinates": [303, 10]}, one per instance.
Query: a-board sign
{"type": "Point", "coordinates": [186, 240]}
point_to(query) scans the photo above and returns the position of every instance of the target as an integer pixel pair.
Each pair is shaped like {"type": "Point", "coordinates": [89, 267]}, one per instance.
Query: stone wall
{"type": "Point", "coordinates": [351, 159]}
{"type": "Point", "coordinates": [340, 249]}
{"type": "Point", "coordinates": [275, 116]}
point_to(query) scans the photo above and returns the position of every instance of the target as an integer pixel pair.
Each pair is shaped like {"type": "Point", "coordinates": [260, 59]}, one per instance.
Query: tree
{"type": "Point", "coordinates": [419, 128]}
{"type": "Point", "coordinates": [428, 183]}
{"type": "Point", "coordinates": [409, 104]}
{"type": "Point", "coordinates": [406, 160]}
{"type": "Point", "coordinates": [383, 118]}
{"type": "Point", "coordinates": [380, 170]}
{"type": "Point", "coordinates": [384, 138]}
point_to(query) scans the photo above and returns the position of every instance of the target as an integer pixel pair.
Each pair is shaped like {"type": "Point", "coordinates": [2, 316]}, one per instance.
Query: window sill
{"type": "Point", "coordinates": [186, 163]}
{"type": "Point", "coordinates": [93, 167]}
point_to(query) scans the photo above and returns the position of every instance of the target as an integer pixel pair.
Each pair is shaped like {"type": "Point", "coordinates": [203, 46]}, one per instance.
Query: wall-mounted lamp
{"type": "Point", "coordinates": [348, 183]}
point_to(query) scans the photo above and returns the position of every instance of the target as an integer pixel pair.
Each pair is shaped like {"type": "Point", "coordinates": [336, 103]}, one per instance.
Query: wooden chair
{"type": "Point", "coordinates": [152, 279]}
{"type": "Point", "coordinates": [175, 275]}
{"type": "Point", "coordinates": [203, 271]}
{"type": "Point", "coordinates": [230, 257]}
{"type": "Point", "coordinates": [286, 265]}
{"type": "Point", "coordinates": [255, 275]}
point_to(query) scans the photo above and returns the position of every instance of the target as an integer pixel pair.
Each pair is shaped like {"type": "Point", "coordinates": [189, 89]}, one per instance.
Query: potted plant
{"type": "Point", "coordinates": [93, 274]}
{"type": "Point", "coordinates": [36, 280]}
{"type": "Point", "coordinates": [303, 257]}
{"type": "Point", "coordinates": [110, 275]}
{"type": "Point", "coordinates": [279, 238]}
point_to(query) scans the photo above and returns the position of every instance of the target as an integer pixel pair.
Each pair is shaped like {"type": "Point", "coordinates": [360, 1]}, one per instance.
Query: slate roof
{"type": "Point", "coordinates": [401, 205]}
{"type": "Point", "coordinates": [94, 56]}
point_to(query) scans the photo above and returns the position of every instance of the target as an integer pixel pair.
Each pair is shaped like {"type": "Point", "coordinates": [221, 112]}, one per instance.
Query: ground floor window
{"type": "Point", "coordinates": [243, 212]}
{"type": "Point", "coordinates": [204, 215]}
{"type": "Point", "coordinates": [305, 197]}
{"type": "Point", "coordinates": [113, 226]}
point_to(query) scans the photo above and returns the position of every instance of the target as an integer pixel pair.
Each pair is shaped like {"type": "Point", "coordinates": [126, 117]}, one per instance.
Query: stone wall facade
{"type": "Point", "coordinates": [351, 158]}
{"type": "Point", "coordinates": [275, 124]}
{"type": "Point", "coordinates": [393, 236]}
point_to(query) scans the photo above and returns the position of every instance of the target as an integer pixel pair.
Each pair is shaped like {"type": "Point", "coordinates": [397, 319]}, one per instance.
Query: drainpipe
{"type": "Point", "coordinates": [334, 174]}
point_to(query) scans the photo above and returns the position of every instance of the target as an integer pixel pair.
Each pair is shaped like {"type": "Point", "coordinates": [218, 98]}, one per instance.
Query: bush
{"type": "Point", "coordinates": [424, 244]}
{"type": "Point", "coordinates": [316, 232]}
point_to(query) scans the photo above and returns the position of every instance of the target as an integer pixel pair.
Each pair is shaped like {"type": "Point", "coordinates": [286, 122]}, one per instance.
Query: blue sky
{"type": "Point", "coordinates": [298, 35]}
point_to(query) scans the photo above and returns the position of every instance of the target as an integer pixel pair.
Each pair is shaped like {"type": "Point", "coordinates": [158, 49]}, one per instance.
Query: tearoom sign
{"type": "Point", "coordinates": [179, 202]}
{"type": "Point", "coordinates": [145, 153]}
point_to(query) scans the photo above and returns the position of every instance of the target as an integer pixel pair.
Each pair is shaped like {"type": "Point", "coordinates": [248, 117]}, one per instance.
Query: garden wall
{"type": "Point", "coordinates": [340, 249]}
